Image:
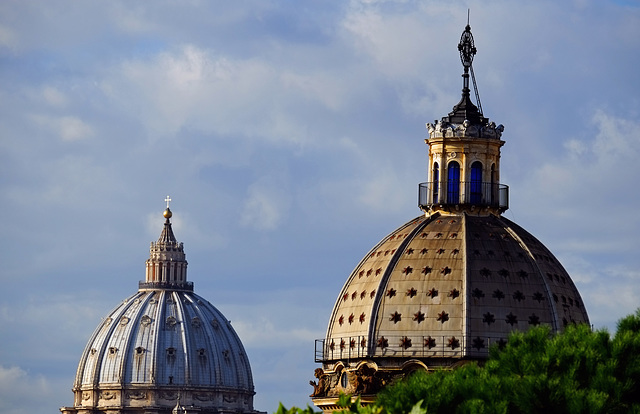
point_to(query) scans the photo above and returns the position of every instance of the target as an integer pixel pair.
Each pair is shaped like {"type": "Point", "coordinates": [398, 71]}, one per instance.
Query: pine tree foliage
{"type": "Point", "coordinates": [576, 371]}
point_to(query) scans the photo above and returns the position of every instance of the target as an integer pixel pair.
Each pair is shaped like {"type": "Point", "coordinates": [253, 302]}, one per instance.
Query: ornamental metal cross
{"type": "Point", "coordinates": [168, 200]}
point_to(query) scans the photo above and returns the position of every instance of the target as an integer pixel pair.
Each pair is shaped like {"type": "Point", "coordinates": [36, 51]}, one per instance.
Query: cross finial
{"type": "Point", "coordinates": [168, 200]}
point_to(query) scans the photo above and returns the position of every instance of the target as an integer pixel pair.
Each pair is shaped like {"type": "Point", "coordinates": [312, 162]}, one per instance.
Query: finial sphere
{"type": "Point", "coordinates": [167, 213]}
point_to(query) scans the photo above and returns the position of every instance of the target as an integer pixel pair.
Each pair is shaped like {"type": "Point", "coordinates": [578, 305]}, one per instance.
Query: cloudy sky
{"type": "Point", "coordinates": [289, 135]}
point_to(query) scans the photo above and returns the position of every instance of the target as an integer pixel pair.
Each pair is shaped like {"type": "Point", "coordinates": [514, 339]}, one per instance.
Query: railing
{"type": "Point", "coordinates": [351, 347]}
{"type": "Point", "coordinates": [188, 286]}
{"type": "Point", "coordinates": [473, 193]}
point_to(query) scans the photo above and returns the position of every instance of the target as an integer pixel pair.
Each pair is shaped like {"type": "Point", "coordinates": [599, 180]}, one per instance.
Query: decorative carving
{"type": "Point", "coordinates": [168, 395]}
{"type": "Point", "coordinates": [230, 398]}
{"type": "Point", "coordinates": [395, 317]}
{"type": "Point", "coordinates": [321, 387]}
{"type": "Point", "coordinates": [405, 342]}
{"type": "Point", "coordinates": [145, 320]}
{"type": "Point", "coordinates": [203, 396]}
{"type": "Point", "coordinates": [442, 317]}
{"type": "Point", "coordinates": [429, 342]}
{"type": "Point", "coordinates": [477, 293]}
{"type": "Point", "coordinates": [86, 395]}
{"type": "Point", "coordinates": [478, 343]}
{"type": "Point", "coordinates": [488, 318]}
{"type": "Point", "coordinates": [454, 342]}
{"type": "Point", "coordinates": [383, 342]}
{"type": "Point", "coordinates": [136, 395]}
{"type": "Point", "coordinates": [369, 381]}
{"type": "Point", "coordinates": [108, 395]}
{"type": "Point", "coordinates": [534, 320]}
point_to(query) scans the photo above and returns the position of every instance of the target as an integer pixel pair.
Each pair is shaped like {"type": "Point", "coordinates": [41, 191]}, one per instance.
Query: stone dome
{"type": "Point", "coordinates": [449, 286]}
{"type": "Point", "coordinates": [444, 287]}
{"type": "Point", "coordinates": [164, 347]}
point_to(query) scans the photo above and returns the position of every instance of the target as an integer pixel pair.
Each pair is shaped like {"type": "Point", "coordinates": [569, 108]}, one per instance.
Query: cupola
{"type": "Point", "coordinates": [464, 153]}
{"type": "Point", "coordinates": [444, 287]}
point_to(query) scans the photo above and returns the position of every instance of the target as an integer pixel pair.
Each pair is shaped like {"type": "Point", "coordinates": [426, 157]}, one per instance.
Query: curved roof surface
{"type": "Point", "coordinates": [162, 347]}
{"type": "Point", "coordinates": [165, 338]}
{"type": "Point", "coordinates": [449, 285]}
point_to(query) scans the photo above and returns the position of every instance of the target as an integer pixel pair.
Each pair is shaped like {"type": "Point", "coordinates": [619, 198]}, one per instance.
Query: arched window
{"type": "Point", "coordinates": [476, 182]}
{"type": "Point", "coordinates": [436, 181]}
{"type": "Point", "coordinates": [453, 183]}
{"type": "Point", "coordinates": [494, 189]}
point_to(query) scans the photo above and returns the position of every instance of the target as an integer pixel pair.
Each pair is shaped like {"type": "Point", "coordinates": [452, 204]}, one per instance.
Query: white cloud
{"type": "Point", "coordinates": [267, 204]}
{"type": "Point", "coordinates": [67, 128]}
{"type": "Point", "coordinates": [54, 96]}
{"type": "Point", "coordinates": [22, 393]}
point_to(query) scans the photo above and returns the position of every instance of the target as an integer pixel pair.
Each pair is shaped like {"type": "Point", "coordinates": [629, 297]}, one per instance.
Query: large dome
{"type": "Point", "coordinates": [444, 287]}
{"type": "Point", "coordinates": [164, 347]}
{"type": "Point", "coordinates": [449, 285]}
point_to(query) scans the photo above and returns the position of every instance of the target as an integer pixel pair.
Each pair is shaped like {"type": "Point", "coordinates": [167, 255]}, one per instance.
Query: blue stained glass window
{"type": "Point", "coordinates": [436, 181]}
{"type": "Point", "coordinates": [476, 182]}
{"type": "Point", "coordinates": [453, 183]}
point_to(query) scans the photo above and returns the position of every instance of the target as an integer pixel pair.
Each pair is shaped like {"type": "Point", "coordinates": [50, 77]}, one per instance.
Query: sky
{"type": "Point", "coordinates": [290, 137]}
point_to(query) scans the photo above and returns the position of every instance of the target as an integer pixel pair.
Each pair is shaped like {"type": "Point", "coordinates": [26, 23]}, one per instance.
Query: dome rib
{"type": "Point", "coordinates": [354, 274]}
{"type": "Point", "coordinates": [186, 340]}
{"type": "Point", "coordinates": [508, 226]}
{"type": "Point", "coordinates": [377, 303]}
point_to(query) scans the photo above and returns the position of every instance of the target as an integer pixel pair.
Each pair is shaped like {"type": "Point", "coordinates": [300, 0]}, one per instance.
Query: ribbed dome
{"type": "Point", "coordinates": [164, 347]}
{"type": "Point", "coordinates": [165, 339]}
{"type": "Point", "coordinates": [450, 285]}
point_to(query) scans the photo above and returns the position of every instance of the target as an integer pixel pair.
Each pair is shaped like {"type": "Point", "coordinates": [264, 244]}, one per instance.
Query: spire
{"type": "Point", "coordinates": [466, 110]}
{"type": "Point", "coordinates": [167, 235]}
{"type": "Point", "coordinates": [167, 264]}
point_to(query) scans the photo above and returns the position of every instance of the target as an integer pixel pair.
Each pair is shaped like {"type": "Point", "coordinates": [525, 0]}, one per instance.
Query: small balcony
{"type": "Point", "coordinates": [357, 347]}
{"type": "Point", "coordinates": [463, 193]}
{"type": "Point", "coordinates": [184, 286]}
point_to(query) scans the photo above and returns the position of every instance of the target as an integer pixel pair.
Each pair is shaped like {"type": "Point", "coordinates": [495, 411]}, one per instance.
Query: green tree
{"type": "Point", "coordinates": [577, 371]}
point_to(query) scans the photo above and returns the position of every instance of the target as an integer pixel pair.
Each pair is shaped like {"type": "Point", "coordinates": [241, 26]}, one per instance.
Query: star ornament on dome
{"type": "Point", "coordinates": [405, 342]}
{"type": "Point", "coordinates": [454, 342]}
{"type": "Point", "coordinates": [488, 318]}
{"type": "Point", "coordinates": [418, 316]}
{"type": "Point", "coordinates": [383, 342]}
{"type": "Point", "coordinates": [395, 317]}
{"type": "Point", "coordinates": [429, 342]}
{"type": "Point", "coordinates": [443, 317]}
{"type": "Point", "coordinates": [478, 343]}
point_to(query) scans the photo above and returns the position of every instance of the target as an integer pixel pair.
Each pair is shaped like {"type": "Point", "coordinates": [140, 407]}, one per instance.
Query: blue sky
{"type": "Point", "coordinates": [289, 135]}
